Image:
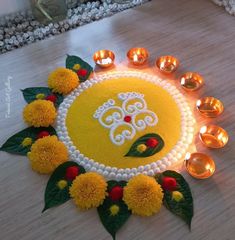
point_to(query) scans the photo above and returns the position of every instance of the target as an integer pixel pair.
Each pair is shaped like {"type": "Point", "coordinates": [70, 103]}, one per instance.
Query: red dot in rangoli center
{"type": "Point", "coordinates": [127, 118]}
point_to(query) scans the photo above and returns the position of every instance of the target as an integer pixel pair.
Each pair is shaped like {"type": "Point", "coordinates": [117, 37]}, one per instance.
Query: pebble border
{"type": "Point", "coordinates": [229, 5]}
{"type": "Point", "coordinates": [19, 29]}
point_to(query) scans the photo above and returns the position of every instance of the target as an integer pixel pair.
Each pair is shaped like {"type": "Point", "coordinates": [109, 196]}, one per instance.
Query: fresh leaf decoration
{"type": "Point", "coordinates": [113, 214]}
{"type": "Point", "coordinates": [153, 143]}
{"type": "Point", "coordinates": [30, 94]}
{"type": "Point", "coordinates": [55, 195]}
{"type": "Point", "coordinates": [84, 70]}
{"type": "Point", "coordinates": [113, 223]}
{"type": "Point", "coordinates": [184, 207]}
{"type": "Point", "coordinates": [15, 143]}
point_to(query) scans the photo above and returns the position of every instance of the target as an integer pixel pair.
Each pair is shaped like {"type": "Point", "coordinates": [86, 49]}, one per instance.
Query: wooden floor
{"type": "Point", "coordinates": [202, 36]}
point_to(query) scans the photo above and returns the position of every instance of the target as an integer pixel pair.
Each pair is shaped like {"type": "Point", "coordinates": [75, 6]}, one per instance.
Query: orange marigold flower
{"type": "Point", "coordinates": [63, 80]}
{"type": "Point", "coordinates": [47, 154]}
{"type": "Point", "coordinates": [39, 113]}
{"type": "Point", "coordinates": [88, 190]}
{"type": "Point", "coordinates": [143, 195]}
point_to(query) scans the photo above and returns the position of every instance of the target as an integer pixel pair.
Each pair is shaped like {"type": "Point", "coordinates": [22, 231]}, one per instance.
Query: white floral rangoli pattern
{"type": "Point", "coordinates": [123, 121]}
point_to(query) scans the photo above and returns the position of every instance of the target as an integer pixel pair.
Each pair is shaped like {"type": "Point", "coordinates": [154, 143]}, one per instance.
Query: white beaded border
{"type": "Point", "coordinates": [187, 125]}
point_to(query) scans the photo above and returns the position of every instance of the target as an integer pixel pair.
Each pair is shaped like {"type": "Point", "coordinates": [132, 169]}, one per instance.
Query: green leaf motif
{"type": "Point", "coordinates": [72, 60]}
{"type": "Point", "coordinates": [183, 208]}
{"type": "Point", "coordinates": [112, 223]}
{"type": "Point", "coordinates": [14, 143]}
{"type": "Point", "coordinates": [55, 196]}
{"type": "Point", "coordinates": [133, 152]}
{"type": "Point", "coordinates": [31, 93]}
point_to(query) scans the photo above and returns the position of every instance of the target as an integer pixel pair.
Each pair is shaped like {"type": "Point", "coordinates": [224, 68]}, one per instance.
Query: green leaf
{"type": "Point", "coordinates": [133, 152]}
{"type": "Point", "coordinates": [183, 208]}
{"type": "Point", "coordinates": [55, 196]}
{"type": "Point", "coordinates": [113, 223]}
{"type": "Point", "coordinates": [14, 143]}
{"type": "Point", "coordinates": [31, 93]}
{"type": "Point", "coordinates": [72, 60]}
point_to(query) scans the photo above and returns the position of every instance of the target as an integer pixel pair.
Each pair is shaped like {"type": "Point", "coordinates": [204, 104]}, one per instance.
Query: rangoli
{"type": "Point", "coordinates": [114, 141]}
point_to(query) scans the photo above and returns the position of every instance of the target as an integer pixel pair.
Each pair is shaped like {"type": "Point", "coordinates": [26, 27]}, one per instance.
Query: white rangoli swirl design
{"type": "Point", "coordinates": [123, 121]}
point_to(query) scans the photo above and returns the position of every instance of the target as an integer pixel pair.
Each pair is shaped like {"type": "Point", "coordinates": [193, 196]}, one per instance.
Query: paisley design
{"type": "Point", "coordinates": [133, 107]}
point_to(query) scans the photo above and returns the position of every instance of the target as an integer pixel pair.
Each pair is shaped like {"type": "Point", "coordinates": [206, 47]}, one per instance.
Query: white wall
{"type": "Point", "coordinates": [9, 6]}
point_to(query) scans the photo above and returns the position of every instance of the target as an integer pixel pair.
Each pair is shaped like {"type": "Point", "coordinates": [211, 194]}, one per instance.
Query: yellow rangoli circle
{"type": "Point", "coordinates": [93, 140]}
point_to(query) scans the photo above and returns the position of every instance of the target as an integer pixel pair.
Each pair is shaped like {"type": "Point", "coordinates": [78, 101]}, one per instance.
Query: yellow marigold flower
{"type": "Point", "coordinates": [62, 184]}
{"type": "Point", "coordinates": [76, 66]}
{"type": "Point", "coordinates": [39, 113]}
{"type": "Point", "coordinates": [177, 196]}
{"type": "Point", "coordinates": [40, 96]}
{"type": "Point", "coordinates": [114, 210]}
{"type": "Point", "coordinates": [27, 142]}
{"type": "Point", "coordinates": [47, 154]}
{"type": "Point", "coordinates": [143, 195]}
{"type": "Point", "coordinates": [63, 80]}
{"type": "Point", "coordinates": [141, 148]}
{"type": "Point", "coordinates": [88, 190]}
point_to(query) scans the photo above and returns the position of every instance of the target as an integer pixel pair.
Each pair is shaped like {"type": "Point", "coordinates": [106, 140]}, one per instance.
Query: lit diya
{"type": "Point", "coordinates": [213, 136]}
{"type": "Point", "coordinates": [191, 81]}
{"type": "Point", "coordinates": [104, 58]}
{"type": "Point", "coordinates": [137, 56]}
{"type": "Point", "coordinates": [210, 107]}
{"type": "Point", "coordinates": [199, 165]}
{"type": "Point", "coordinates": [167, 64]}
